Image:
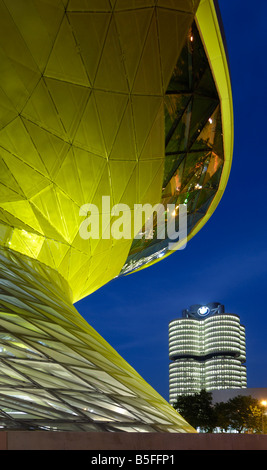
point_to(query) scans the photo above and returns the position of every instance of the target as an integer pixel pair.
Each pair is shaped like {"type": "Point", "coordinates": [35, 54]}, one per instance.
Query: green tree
{"type": "Point", "coordinates": [197, 410]}
{"type": "Point", "coordinates": [244, 414]}
{"type": "Point", "coordinates": [241, 413]}
{"type": "Point", "coordinates": [221, 411]}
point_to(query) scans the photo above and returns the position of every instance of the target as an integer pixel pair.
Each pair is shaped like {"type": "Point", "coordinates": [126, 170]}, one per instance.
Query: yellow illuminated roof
{"type": "Point", "coordinates": [78, 123]}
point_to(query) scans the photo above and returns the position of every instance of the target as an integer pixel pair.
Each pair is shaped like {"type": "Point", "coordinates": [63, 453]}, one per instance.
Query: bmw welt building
{"type": "Point", "coordinates": [207, 351]}
{"type": "Point", "coordinates": [127, 102]}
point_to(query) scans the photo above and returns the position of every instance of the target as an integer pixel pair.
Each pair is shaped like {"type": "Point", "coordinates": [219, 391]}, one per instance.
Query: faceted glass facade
{"type": "Point", "coordinates": [206, 353]}
{"type": "Point", "coordinates": [114, 98]}
{"type": "Point", "coordinates": [82, 116]}
{"type": "Point", "coordinates": [56, 372]}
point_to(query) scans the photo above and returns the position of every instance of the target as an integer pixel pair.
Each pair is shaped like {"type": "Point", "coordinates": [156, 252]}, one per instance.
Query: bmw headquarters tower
{"type": "Point", "coordinates": [126, 101]}
{"type": "Point", "coordinates": [207, 348]}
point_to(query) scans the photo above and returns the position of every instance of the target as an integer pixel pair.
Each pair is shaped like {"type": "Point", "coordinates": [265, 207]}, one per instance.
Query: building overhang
{"type": "Point", "coordinates": [212, 37]}
{"type": "Point", "coordinates": [210, 28]}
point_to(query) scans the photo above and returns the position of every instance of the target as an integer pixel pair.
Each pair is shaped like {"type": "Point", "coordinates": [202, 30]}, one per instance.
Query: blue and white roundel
{"type": "Point", "coordinates": [203, 310]}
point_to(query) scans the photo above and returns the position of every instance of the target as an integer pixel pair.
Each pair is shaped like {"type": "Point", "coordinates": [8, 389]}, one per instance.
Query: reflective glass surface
{"type": "Point", "coordinates": [194, 153]}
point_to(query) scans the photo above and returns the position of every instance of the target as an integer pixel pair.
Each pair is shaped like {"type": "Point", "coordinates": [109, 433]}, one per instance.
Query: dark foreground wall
{"type": "Point", "coordinates": [38, 440]}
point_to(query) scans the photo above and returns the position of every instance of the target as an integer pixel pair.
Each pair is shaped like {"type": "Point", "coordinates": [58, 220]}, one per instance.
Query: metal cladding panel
{"type": "Point", "coordinates": [56, 372]}
{"type": "Point", "coordinates": [82, 116]}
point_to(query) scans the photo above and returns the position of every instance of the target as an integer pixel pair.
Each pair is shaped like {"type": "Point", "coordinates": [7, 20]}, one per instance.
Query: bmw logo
{"type": "Point", "coordinates": [203, 310]}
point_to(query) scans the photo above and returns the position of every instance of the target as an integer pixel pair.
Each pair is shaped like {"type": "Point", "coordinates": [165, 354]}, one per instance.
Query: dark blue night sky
{"type": "Point", "coordinates": [227, 260]}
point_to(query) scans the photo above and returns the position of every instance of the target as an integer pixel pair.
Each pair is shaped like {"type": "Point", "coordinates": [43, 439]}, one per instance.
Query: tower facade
{"type": "Point", "coordinates": [207, 349]}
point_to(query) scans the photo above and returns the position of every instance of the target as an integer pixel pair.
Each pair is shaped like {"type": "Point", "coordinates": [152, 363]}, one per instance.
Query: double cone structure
{"type": "Point", "coordinates": [129, 99]}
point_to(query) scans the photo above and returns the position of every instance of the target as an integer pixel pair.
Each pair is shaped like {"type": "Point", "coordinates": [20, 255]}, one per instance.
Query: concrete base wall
{"type": "Point", "coordinates": [38, 440]}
